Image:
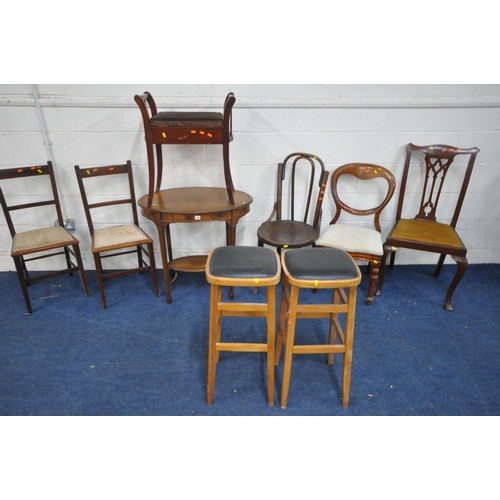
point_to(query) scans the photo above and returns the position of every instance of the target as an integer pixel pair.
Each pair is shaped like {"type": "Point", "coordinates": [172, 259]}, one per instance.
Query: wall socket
{"type": "Point", "coordinates": [69, 224]}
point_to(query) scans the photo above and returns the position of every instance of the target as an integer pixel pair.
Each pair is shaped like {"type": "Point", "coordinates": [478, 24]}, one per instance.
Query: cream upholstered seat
{"type": "Point", "coordinates": [352, 239]}
{"type": "Point", "coordinates": [43, 242]}
{"type": "Point", "coordinates": [362, 243]}
{"type": "Point", "coordinates": [114, 241]}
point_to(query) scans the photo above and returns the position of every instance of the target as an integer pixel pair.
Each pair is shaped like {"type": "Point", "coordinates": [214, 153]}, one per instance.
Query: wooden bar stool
{"type": "Point", "coordinates": [316, 268]}
{"type": "Point", "coordinates": [242, 266]}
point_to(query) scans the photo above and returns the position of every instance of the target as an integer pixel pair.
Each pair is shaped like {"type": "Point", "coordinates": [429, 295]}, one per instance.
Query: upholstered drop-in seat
{"type": "Point", "coordinates": [41, 239]}
{"type": "Point", "coordinates": [352, 239]}
{"type": "Point", "coordinates": [117, 236]}
{"type": "Point", "coordinates": [427, 231]}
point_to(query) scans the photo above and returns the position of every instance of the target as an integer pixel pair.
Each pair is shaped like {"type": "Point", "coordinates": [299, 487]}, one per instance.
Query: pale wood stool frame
{"type": "Point", "coordinates": [291, 310]}
{"type": "Point", "coordinates": [218, 309]}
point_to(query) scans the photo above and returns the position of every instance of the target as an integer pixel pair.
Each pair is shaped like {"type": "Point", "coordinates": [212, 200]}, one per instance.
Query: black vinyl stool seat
{"type": "Point", "coordinates": [242, 266]}
{"type": "Point", "coordinates": [316, 268]}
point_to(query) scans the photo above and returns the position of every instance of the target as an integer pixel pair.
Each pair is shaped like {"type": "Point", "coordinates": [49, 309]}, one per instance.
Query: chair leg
{"type": "Point", "coordinates": [373, 276]}
{"type": "Point", "coordinates": [333, 324]}
{"type": "Point", "coordinates": [439, 264]}
{"type": "Point", "coordinates": [462, 265]}
{"type": "Point", "coordinates": [280, 335]}
{"type": "Point", "coordinates": [79, 261]}
{"type": "Point", "coordinates": [18, 261]}
{"type": "Point", "coordinates": [100, 279]}
{"type": "Point", "coordinates": [383, 264]}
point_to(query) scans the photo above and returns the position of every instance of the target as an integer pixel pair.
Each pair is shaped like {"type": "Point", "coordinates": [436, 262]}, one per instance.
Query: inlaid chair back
{"type": "Point", "coordinates": [362, 243]}
{"type": "Point", "coordinates": [296, 216]}
{"type": "Point", "coordinates": [424, 232]}
{"type": "Point", "coordinates": [113, 241]}
{"type": "Point", "coordinates": [39, 185]}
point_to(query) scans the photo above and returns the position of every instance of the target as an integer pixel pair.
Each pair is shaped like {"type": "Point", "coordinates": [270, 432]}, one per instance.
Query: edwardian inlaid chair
{"type": "Point", "coordinates": [362, 243]}
{"type": "Point", "coordinates": [296, 216]}
{"type": "Point", "coordinates": [424, 232]}
{"type": "Point", "coordinates": [38, 183]}
{"type": "Point", "coordinates": [114, 240]}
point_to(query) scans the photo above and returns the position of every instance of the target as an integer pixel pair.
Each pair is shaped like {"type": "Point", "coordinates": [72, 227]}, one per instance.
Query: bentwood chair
{"type": "Point", "coordinates": [424, 232]}
{"type": "Point", "coordinates": [181, 127]}
{"type": "Point", "coordinates": [116, 240]}
{"type": "Point", "coordinates": [317, 269]}
{"type": "Point", "coordinates": [296, 216]}
{"type": "Point", "coordinates": [362, 243]}
{"type": "Point", "coordinates": [34, 194]}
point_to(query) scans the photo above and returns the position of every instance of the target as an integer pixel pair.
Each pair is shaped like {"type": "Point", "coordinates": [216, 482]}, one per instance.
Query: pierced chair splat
{"type": "Point", "coordinates": [43, 242]}
{"type": "Point", "coordinates": [118, 240]}
{"type": "Point", "coordinates": [424, 232]}
{"type": "Point", "coordinates": [296, 216]}
{"type": "Point", "coordinates": [362, 243]}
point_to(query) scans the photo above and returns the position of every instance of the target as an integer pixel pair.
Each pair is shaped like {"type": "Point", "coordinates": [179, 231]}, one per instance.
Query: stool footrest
{"type": "Point", "coordinates": [240, 347]}
{"type": "Point", "coordinates": [318, 349]}
{"type": "Point", "coordinates": [242, 309]}
{"type": "Point", "coordinates": [320, 310]}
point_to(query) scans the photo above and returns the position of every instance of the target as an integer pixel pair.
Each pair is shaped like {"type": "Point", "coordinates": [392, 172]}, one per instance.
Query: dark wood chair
{"type": "Point", "coordinates": [362, 243]}
{"type": "Point", "coordinates": [296, 216]}
{"type": "Point", "coordinates": [113, 241]}
{"type": "Point", "coordinates": [43, 242]}
{"type": "Point", "coordinates": [180, 127]}
{"type": "Point", "coordinates": [424, 232]}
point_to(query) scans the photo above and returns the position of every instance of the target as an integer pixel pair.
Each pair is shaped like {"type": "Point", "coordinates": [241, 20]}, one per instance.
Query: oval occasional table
{"type": "Point", "coordinates": [191, 204]}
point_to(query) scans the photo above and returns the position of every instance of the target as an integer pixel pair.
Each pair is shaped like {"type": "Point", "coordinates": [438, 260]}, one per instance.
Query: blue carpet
{"type": "Point", "coordinates": [142, 356]}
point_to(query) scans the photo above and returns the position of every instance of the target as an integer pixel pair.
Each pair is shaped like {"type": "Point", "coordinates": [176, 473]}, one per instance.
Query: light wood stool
{"type": "Point", "coordinates": [316, 268]}
{"type": "Point", "coordinates": [242, 266]}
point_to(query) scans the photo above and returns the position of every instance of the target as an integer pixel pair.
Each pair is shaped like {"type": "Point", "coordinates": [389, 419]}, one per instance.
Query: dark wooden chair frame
{"type": "Point", "coordinates": [144, 246]}
{"type": "Point", "coordinates": [70, 250]}
{"type": "Point", "coordinates": [438, 159]}
{"type": "Point", "coordinates": [181, 131]}
{"type": "Point", "coordinates": [304, 233]}
{"type": "Point", "coordinates": [364, 171]}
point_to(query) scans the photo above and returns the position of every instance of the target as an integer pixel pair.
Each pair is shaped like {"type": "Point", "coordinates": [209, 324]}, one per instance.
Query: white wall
{"type": "Point", "coordinates": [93, 125]}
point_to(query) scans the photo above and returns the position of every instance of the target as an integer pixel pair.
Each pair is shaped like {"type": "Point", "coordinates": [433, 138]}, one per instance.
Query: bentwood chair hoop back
{"type": "Point", "coordinates": [115, 240]}
{"type": "Point", "coordinates": [425, 232]}
{"type": "Point", "coordinates": [43, 242]}
{"type": "Point", "coordinates": [361, 242]}
{"type": "Point", "coordinates": [296, 216]}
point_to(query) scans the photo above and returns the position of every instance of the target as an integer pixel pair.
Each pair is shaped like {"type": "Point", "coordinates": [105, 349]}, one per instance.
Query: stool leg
{"type": "Point", "coordinates": [289, 328]}
{"type": "Point", "coordinates": [349, 340]}
{"type": "Point", "coordinates": [333, 324]}
{"type": "Point", "coordinates": [214, 333]}
{"type": "Point", "coordinates": [270, 320]}
{"type": "Point", "coordinates": [280, 336]}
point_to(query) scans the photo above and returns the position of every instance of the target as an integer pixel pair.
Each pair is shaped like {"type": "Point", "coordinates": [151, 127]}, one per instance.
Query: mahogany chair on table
{"type": "Point", "coordinates": [424, 232]}
{"type": "Point", "coordinates": [296, 216]}
{"type": "Point", "coordinates": [43, 242]}
{"type": "Point", "coordinates": [362, 243]}
{"type": "Point", "coordinates": [113, 241]}
{"type": "Point", "coordinates": [181, 127]}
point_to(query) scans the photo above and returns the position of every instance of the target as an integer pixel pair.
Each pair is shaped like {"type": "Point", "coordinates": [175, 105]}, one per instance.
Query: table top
{"type": "Point", "coordinates": [199, 200]}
